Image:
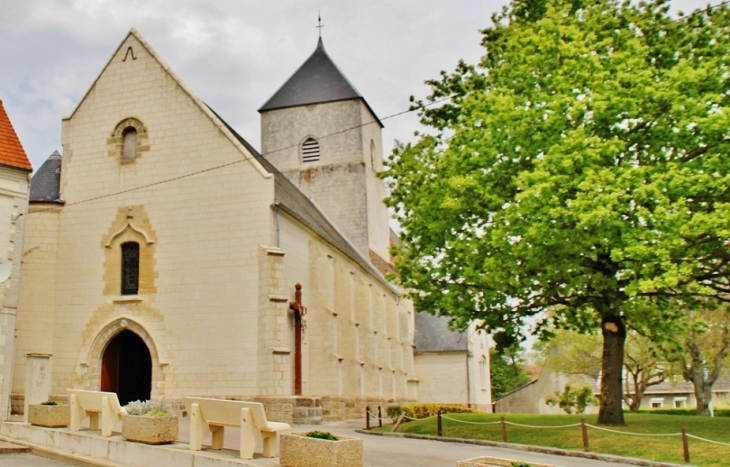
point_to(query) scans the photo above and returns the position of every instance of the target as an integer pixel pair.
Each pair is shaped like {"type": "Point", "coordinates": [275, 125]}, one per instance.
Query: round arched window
{"type": "Point", "coordinates": [129, 143]}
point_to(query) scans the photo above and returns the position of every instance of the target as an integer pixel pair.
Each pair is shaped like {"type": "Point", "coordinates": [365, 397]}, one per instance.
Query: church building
{"type": "Point", "coordinates": [165, 257]}
{"type": "Point", "coordinates": [15, 172]}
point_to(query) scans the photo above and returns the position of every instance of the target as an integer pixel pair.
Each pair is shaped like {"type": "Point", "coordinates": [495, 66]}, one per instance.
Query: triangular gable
{"type": "Point", "coordinates": [11, 151]}
{"type": "Point", "coordinates": [203, 108]}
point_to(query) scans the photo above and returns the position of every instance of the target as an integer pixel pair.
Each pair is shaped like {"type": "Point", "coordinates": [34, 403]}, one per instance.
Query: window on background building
{"type": "Point", "coordinates": [372, 155]}
{"type": "Point", "coordinates": [129, 144]}
{"type": "Point", "coordinates": [680, 402]}
{"type": "Point", "coordinates": [130, 268]}
{"type": "Point", "coordinates": [483, 372]}
{"type": "Point", "coordinates": [657, 403]}
{"type": "Point", "coordinates": [310, 150]}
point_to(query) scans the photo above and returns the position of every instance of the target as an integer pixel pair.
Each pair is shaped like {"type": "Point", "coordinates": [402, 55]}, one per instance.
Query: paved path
{"type": "Point", "coordinates": [386, 451]}
{"type": "Point", "coordinates": [27, 460]}
{"type": "Point", "coordinates": [380, 451]}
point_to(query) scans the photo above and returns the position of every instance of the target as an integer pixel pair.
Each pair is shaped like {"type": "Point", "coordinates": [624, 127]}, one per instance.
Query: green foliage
{"type": "Point", "coordinates": [580, 167]}
{"type": "Point", "coordinates": [520, 464]}
{"type": "Point", "coordinates": [424, 410]}
{"type": "Point", "coordinates": [646, 363]}
{"type": "Point", "coordinates": [50, 402]}
{"type": "Point", "coordinates": [706, 355]}
{"type": "Point", "coordinates": [148, 409]}
{"type": "Point", "coordinates": [684, 412]}
{"type": "Point", "coordinates": [322, 435]}
{"type": "Point", "coordinates": [572, 400]}
{"type": "Point", "coordinates": [507, 372]}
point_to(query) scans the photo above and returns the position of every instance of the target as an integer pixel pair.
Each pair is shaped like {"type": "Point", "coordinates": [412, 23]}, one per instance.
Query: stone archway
{"type": "Point", "coordinates": [124, 338]}
{"type": "Point", "coordinates": [126, 368]}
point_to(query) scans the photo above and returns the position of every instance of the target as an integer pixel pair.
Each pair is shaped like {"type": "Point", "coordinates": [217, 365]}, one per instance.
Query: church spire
{"type": "Point", "coordinates": [319, 26]}
{"type": "Point", "coordinates": [317, 81]}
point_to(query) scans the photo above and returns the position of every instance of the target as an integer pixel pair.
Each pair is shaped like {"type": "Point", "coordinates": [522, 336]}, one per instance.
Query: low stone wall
{"type": "Point", "coordinates": [351, 408]}
{"type": "Point", "coordinates": [294, 410]}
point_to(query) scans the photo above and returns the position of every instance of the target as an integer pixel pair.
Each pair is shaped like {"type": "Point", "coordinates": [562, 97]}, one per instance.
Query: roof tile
{"type": "Point", "coordinates": [11, 151]}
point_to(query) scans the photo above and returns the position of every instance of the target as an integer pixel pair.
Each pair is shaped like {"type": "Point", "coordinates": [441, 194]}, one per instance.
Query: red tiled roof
{"type": "Point", "coordinates": [11, 151]}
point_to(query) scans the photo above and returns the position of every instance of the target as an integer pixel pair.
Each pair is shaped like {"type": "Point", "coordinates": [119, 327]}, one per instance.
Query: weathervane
{"type": "Point", "coordinates": [319, 23]}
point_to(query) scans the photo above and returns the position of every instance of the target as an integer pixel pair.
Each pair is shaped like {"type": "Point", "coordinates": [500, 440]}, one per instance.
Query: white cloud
{"type": "Point", "coordinates": [234, 54]}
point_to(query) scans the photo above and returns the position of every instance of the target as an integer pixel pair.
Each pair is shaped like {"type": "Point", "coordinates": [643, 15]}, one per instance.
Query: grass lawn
{"type": "Point", "coordinates": [665, 448]}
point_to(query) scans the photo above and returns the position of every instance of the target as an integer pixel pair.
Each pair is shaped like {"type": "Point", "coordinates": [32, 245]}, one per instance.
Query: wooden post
{"type": "Point", "coordinates": [584, 429]}
{"type": "Point", "coordinates": [685, 445]}
{"type": "Point", "coordinates": [367, 417]}
{"type": "Point", "coordinates": [299, 310]}
{"type": "Point", "coordinates": [504, 429]}
{"type": "Point", "coordinates": [397, 424]}
{"type": "Point", "coordinates": [439, 431]}
{"type": "Point", "coordinates": [380, 416]}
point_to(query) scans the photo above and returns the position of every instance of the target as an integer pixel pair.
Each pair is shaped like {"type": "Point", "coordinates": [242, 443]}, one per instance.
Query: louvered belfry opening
{"type": "Point", "coordinates": [310, 150]}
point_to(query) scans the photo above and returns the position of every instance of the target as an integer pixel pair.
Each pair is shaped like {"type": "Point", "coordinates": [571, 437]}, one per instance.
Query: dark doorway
{"type": "Point", "coordinates": [126, 368]}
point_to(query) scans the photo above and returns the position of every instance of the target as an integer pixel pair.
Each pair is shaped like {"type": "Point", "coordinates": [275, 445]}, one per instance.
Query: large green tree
{"type": "Point", "coordinates": [707, 347]}
{"type": "Point", "coordinates": [581, 167]}
{"type": "Point", "coordinates": [507, 371]}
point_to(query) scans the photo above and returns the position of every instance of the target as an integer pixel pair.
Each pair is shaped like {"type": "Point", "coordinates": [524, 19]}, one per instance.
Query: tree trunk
{"type": "Point", "coordinates": [614, 338]}
{"type": "Point", "coordinates": [703, 391]}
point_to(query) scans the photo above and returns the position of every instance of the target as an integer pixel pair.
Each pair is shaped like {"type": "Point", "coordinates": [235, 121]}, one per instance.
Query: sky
{"type": "Point", "coordinates": [234, 54]}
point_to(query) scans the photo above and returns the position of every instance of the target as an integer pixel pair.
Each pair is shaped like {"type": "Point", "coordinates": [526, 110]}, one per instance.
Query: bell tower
{"type": "Point", "coordinates": [319, 131]}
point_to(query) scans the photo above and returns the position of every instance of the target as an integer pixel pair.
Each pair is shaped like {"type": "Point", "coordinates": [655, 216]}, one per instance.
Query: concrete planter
{"type": "Point", "coordinates": [150, 430]}
{"type": "Point", "coordinates": [297, 450]}
{"type": "Point", "coordinates": [493, 462]}
{"type": "Point", "coordinates": [51, 416]}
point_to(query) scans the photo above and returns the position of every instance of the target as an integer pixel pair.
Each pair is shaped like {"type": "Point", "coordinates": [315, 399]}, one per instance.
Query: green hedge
{"type": "Point", "coordinates": [425, 410]}
{"type": "Point", "coordinates": [684, 411]}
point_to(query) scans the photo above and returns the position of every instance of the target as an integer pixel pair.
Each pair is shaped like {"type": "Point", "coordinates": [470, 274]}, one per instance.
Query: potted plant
{"type": "Point", "coordinates": [51, 414]}
{"type": "Point", "coordinates": [320, 449]}
{"type": "Point", "coordinates": [149, 422]}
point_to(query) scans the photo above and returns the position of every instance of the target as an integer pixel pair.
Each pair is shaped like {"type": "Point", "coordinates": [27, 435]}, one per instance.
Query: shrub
{"type": "Point", "coordinates": [148, 409]}
{"type": "Point", "coordinates": [572, 400]}
{"type": "Point", "coordinates": [49, 402]}
{"type": "Point", "coordinates": [322, 435]}
{"type": "Point", "coordinates": [684, 411]}
{"type": "Point", "coordinates": [424, 410]}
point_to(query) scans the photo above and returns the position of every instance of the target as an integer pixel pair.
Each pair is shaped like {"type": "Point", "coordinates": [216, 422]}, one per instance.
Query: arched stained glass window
{"type": "Point", "coordinates": [130, 268]}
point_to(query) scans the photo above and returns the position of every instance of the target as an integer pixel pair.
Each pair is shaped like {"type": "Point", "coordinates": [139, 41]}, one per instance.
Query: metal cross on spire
{"type": "Point", "coordinates": [319, 24]}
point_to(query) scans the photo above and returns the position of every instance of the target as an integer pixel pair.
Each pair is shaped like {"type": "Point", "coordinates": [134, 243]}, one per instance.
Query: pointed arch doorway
{"type": "Point", "coordinates": [126, 368]}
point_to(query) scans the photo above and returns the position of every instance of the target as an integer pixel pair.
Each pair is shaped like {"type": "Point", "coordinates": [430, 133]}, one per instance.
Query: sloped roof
{"type": "Point", "coordinates": [11, 151]}
{"type": "Point", "coordinates": [46, 183]}
{"type": "Point", "coordinates": [317, 81]}
{"type": "Point", "coordinates": [291, 200]}
{"type": "Point", "coordinates": [433, 335]}
{"type": "Point", "coordinates": [682, 387]}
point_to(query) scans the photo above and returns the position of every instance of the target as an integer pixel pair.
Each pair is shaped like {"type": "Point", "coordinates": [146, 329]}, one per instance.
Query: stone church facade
{"type": "Point", "coordinates": [165, 257]}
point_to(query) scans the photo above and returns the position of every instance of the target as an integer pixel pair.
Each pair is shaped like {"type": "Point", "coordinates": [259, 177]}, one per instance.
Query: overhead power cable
{"type": "Point", "coordinates": [228, 164]}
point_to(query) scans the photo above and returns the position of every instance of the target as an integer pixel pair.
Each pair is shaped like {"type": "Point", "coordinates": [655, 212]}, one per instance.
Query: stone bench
{"type": "Point", "coordinates": [95, 405]}
{"type": "Point", "coordinates": [215, 414]}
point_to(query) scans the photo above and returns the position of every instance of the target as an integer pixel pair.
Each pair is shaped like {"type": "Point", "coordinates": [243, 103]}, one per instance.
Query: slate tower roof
{"type": "Point", "coordinates": [46, 184]}
{"type": "Point", "coordinates": [11, 151]}
{"type": "Point", "coordinates": [317, 81]}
